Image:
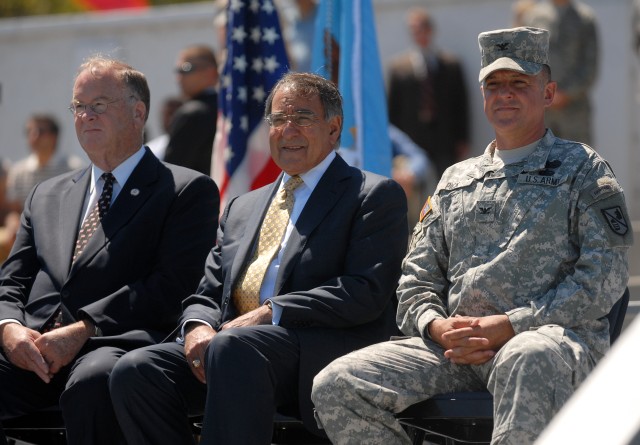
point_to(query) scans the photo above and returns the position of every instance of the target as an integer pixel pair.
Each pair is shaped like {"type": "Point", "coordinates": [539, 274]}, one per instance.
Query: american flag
{"type": "Point", "coordinates": [256, 59]}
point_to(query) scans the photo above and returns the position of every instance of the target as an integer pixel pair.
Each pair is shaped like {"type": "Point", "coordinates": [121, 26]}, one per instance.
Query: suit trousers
{"type": "Point", "coordinates": [80, 389]}
{"type": "Point", "coordinates": [250, 371]}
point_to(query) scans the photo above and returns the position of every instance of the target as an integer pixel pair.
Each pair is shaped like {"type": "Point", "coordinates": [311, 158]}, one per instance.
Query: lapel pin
{"type": "Point", "coordinates": [135, 192]}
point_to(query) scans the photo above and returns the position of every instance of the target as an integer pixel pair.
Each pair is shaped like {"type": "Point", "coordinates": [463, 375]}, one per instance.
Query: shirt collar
{"type": "Point", "coordinates": [121, 172]}
{"type": "Point", "coordinates": [312, 177]}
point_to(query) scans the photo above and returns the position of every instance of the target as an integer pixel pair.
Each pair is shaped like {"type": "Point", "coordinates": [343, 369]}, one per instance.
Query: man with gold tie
{"type": "Point", "coordinates": [304, 271]}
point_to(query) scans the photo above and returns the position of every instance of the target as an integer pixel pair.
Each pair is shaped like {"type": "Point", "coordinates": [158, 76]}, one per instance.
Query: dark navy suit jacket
{"type": "Point", "coordinates": [337, 279]}
{"type": "Point", "coordinates": [143, 260]}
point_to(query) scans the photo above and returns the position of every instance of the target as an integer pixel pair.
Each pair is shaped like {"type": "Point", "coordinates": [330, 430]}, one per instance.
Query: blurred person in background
{"type": "Point", "coordinates": [194, 125]}
{"type": "Point", "coordinates": [427, 95]}
{"type": "Point", "coordinates": [45, 161]}
{"type": "Point", "coordinates": [574, 56]}
{"type": "Point", "coordinates": [158, 145]}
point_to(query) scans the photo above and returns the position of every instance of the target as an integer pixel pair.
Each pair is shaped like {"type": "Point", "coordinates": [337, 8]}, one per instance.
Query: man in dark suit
{"type": "Point", "coordinates": [427, 96]}
{"type": "Point", "coordinates": [74, 296]}
{"type": "Point", "coordinates": [193, 127]}
{"type": "Point", "coordinates": [328, 289]}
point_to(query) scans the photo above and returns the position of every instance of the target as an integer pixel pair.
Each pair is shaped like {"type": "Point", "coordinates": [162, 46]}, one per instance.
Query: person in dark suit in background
{"type": "Point", "coordinates": [328, 290]}
{"type": "Point", "coordinates": [427, 96]}
{"type": "Point", "coordinates": [102, 259]}
{"type": "Point", "coordinates": [194, 124]}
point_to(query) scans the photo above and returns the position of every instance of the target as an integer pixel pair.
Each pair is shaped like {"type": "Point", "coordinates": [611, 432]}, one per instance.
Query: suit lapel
{"type": "Point", "coordinates": [327, 193]}
{"type": "Point", "coordinates": [71, 206]}
{"type": "Point", "coordinates": [135, 192]}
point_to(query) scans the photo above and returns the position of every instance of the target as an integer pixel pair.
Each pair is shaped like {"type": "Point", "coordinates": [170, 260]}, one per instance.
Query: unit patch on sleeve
{"type": "Point", "coordinates": [616, 220]}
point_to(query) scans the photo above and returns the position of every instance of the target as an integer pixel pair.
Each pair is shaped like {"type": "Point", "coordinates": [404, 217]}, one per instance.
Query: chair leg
{"type": "Point", "coordinates": [418, 439]}
{"type": "Point", "coordinates": [416, 435]}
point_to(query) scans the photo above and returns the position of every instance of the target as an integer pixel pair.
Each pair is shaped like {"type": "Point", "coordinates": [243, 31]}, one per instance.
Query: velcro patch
{"type": "Point", "coordinates": [425, 209]}
{"type": "Point", "coordinates": [485, 211]}
{"type": "Point", "coordinates": [616, 220]}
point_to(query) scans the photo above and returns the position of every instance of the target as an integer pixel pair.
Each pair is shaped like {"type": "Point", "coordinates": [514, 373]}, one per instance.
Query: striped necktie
{"type": "Point", "coordinates": [99, 211]}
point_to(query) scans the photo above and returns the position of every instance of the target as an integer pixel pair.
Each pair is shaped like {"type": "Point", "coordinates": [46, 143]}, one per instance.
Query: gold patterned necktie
{"type": "Point", "coordinates": [99, 210]}
{"type": "Point", "coordinates": [246, 296]}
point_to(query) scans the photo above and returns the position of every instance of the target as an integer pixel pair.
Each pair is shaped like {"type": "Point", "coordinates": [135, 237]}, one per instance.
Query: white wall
{"type": "Point", "coordinates": [38, 58]}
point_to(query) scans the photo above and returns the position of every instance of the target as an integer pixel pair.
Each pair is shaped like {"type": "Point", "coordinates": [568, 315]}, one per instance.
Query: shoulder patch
{"type": "Point", "coordinates": [426, 208]}
{"type": "Point", "coordinates": [616, 220]}
{"type": "Point", "coordinates": [604, 185]}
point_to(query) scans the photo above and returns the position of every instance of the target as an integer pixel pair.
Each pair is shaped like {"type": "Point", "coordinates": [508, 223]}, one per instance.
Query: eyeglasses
{"type": "Point", "coordinates": [299, 118]}
{"type": "Point", "coordinates": [188, 68]}
{"type": "Point", "coordinates": [96, 107]}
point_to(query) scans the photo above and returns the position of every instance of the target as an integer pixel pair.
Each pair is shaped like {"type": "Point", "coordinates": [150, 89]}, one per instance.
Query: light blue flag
{"type": "Point", "coordinates": [345, 50]}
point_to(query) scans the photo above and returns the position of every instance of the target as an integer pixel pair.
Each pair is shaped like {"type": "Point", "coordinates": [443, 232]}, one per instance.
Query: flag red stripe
{"type": "Point", "coordinates": [266, 176]}
{"type": "Point", "coordinates": [102, 5]}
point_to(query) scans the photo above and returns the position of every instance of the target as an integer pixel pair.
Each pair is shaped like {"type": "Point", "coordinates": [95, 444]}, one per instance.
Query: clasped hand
{"type": "Point", "coordinates": [44, 354]}
{"type": "Point", "coordinates": [471, 340]}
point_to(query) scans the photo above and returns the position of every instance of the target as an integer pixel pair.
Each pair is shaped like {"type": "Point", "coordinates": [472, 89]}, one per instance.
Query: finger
{"type": "Point", "coordinates": [42, 372]}
{"type": "Point", "coordinates": [471, 358]}
{"type": "Point", "coordinates": [201, 376]}
{"type": "Point", "coordinates": [54, 367]}
{"type": "Point", "coordinates": [476, 342]}
{"type": "Point", "coordinates": [472, 329]}
{"type": "Point", "coordinates": [468, 345]}
{"type": "Point", "coordinates": [37, 362]}
{"type": "Point", "coordinates": [44, 377]}
{"type": "Point", "coordinates": [458, 334]}
{"type": "Point", "coordinates": [197, 367]}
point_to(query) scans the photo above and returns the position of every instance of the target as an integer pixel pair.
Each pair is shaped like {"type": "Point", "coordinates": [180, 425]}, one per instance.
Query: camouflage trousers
{"type": "Point", "coordinates": [531, 377]}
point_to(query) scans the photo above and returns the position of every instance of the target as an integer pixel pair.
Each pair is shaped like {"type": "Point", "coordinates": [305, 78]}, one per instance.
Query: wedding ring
{"type": "Point", "coordinates": [196, 363]}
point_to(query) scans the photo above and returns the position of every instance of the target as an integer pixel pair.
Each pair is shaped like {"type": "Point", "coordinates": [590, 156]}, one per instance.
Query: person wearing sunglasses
{"type": "Point", "coordinates": [194, 124]}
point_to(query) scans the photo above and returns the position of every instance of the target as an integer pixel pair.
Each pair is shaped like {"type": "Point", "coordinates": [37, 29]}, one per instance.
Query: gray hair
{"type": "Point", "coordinates": [133, 79]}
{"type": "Point", "coordinates": [310, 85]}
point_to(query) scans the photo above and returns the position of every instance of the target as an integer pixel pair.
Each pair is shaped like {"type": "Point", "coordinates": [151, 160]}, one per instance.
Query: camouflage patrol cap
{"type": "Point", "coordinates": [523, 49]}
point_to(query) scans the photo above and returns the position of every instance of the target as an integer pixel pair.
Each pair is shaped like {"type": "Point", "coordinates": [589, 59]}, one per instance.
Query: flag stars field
{"type": "Point", "coordinates": [256, 59]}
{"type": "Point", "coordinates": [240, 63]}
{"type": "Point", "coordinates": [259, 94]}
{"type": "Point", "coordinates": [271, 64]}
{"type": "Point", "coordinates": [257, 65]}
{"type": "Point", "coordinates": [238, 34]}
{"type": "Point", "coordinates": [270, 35]}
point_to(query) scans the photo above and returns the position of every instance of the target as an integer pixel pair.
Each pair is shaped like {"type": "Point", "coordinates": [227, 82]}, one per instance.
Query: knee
{"type": "Point", "coordinates": [333, 382]}
{"type": "Point", "coordinates": [227, 340]}
{"type": "Point", "coordinates": [132, 370]}
{"type": "Point", "coordinates": [228, 345]}
{"type": "Point", "coordinates": [90, 381]}
{"type": "Point", "coordinates": [532, 353]}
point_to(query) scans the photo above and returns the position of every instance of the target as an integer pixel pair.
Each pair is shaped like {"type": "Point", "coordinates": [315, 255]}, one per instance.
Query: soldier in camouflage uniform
{"type": "Point", "coordinates": [516, 261]}
{"type": "Point", "coordinates": [573, 54]}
